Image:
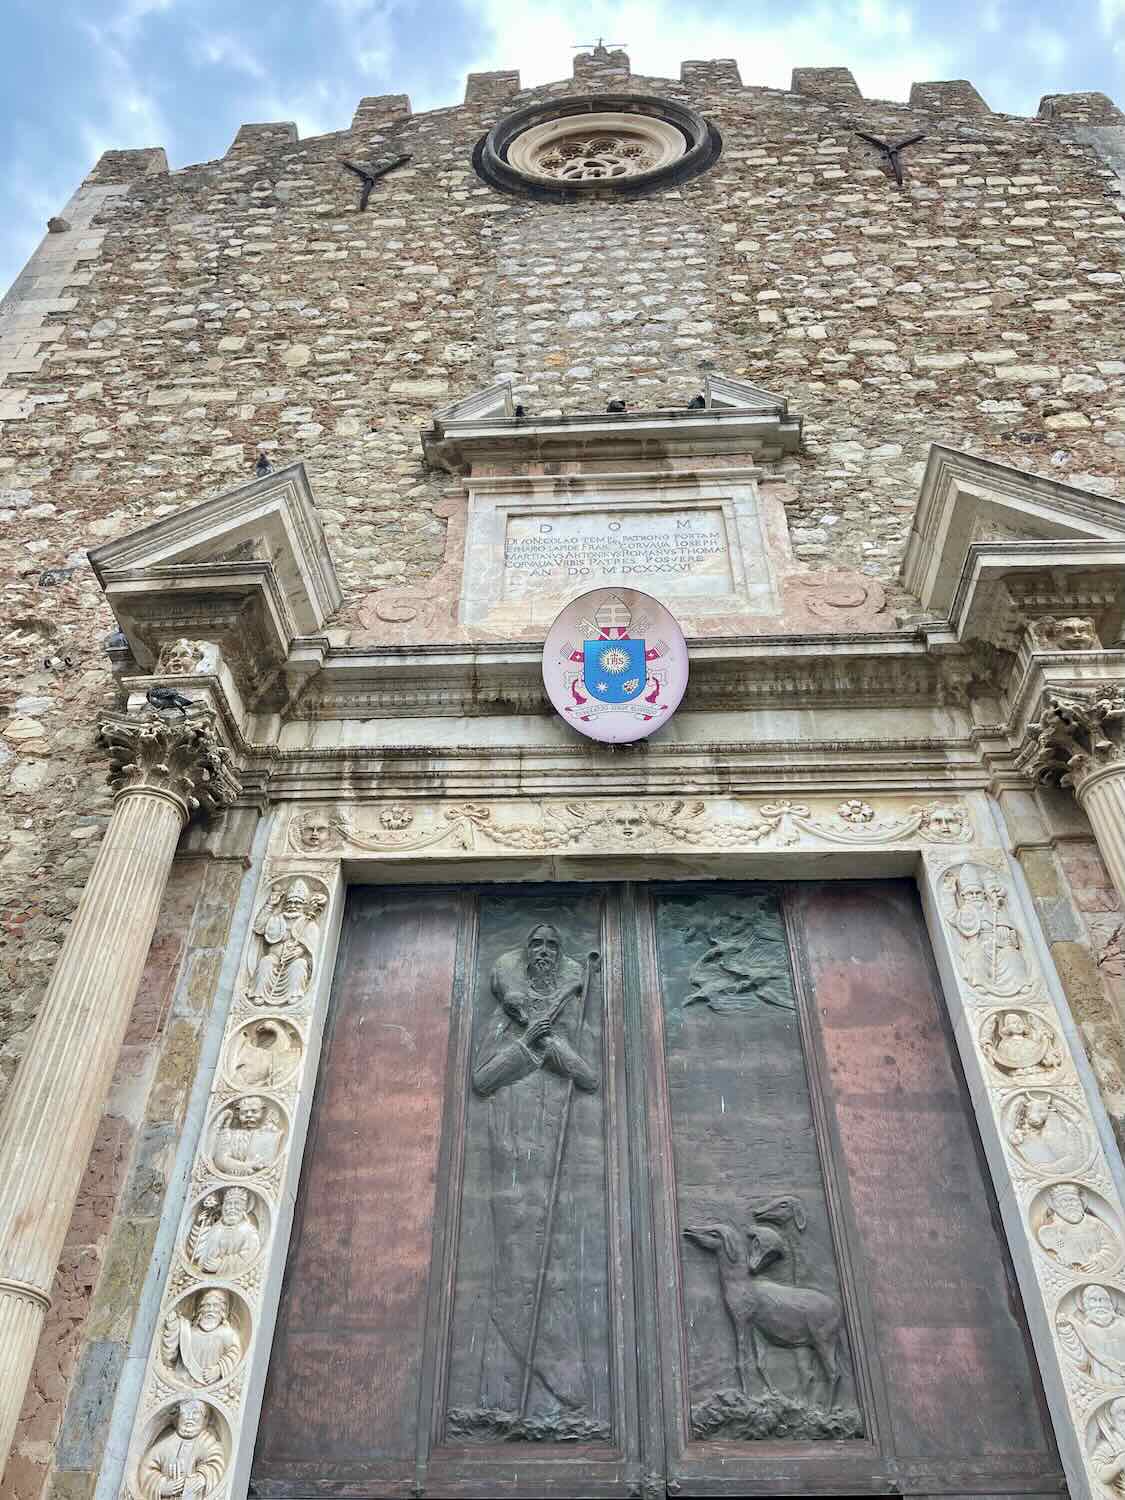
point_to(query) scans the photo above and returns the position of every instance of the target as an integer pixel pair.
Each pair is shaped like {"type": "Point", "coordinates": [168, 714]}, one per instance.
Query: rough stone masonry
{"type": "Point", "coordinates": [173, 325]}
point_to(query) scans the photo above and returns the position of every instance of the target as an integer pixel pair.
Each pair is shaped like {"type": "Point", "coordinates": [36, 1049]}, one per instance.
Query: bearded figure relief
{"type": "Point", "coordinates": [201, 1347]}
{"type": "Point", "coordinates": [991, 945]}
{"type": "Point", "coordinates": [225, 1237]}
{"type": "Point", "coordinates": [1072, 1233]}
{"type": "Point", "coordinates": [186, 1460]}
{"type": "Point", "coordinates": [1093, 1334]}
{"type": "Point", "coordinates": [528, 1065]}
{"type": "Point", "coordinates": [287, 930]}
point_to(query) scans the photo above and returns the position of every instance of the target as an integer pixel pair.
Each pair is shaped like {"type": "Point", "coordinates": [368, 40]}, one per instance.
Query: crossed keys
{"type": "Point", "coordinates": [891, 152]}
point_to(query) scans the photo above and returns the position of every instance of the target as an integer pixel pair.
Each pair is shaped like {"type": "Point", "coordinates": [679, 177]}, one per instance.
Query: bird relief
{"type": "Point", "coordinates": [776, 1321]}
{"type": "Point", "coordinates": [745, 963]}
{"type": "Point", "coordinates": [283, 953]}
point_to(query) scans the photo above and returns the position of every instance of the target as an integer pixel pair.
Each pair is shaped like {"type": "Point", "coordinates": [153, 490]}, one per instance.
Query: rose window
{"type": "Point", "coordinates": [585, 159]}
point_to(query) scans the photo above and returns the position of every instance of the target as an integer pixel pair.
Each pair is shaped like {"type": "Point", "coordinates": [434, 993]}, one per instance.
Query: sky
{"type": "Point", "coordinates": [78, 77]}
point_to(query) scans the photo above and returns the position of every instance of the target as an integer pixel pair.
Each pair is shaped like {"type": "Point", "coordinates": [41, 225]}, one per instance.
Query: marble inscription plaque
{"type": "Point", "coordinates": [682, 552]}
{"type": "Point", "coordinates": [698, 544]}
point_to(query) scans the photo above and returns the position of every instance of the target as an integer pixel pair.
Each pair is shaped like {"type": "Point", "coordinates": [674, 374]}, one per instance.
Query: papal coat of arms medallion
{"type": "Point", "coordinates": [615, 665]}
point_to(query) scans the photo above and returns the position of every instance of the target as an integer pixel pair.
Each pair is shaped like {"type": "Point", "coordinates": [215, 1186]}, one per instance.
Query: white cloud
{"type": "Point", "coordinates": [1045, 46]}
{"type": "Point", "coordinates": [225, 51]}
{"type": "Point", "coordinates": [874, 37]}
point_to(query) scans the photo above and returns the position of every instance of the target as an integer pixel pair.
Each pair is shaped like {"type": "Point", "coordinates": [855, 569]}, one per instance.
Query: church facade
{"type": "Point", "coordinates": [413, 1085]}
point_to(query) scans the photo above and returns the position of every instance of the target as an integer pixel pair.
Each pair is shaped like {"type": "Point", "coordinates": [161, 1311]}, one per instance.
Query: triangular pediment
{"type": "Point", "coordinates": [968, 502]}
{"type": "Point", "coordinates": [268, 527]}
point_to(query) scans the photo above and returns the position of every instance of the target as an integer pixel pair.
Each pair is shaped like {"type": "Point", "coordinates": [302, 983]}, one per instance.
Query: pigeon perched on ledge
{"type": "Point", "coordinates": [615, 406]}
{"type": "Point", "coordinates": [164, 698]}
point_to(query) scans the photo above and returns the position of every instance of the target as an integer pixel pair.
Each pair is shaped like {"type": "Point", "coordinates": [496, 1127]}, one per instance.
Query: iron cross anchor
{"type": "Point", "coordinates": [891, 152]}
{"type": "Point", "coordinates": [369, 176]}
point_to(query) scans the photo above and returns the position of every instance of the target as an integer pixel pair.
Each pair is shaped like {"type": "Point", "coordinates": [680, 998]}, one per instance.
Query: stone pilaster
{"type": "Point", "coordinates": [1077, 741]}
{"type": "Point", "coordinates": [162, 773]}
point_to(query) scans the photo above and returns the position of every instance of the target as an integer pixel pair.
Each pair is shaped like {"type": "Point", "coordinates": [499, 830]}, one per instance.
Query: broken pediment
{"type": "Point", "coordinates": [733, 417]}
{"type": "Point", "coordinates": [249, 567]}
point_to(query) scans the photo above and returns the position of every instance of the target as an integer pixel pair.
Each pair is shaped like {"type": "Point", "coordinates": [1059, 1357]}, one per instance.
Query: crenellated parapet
{"type": "Point", "coordinates": [832, 85]}
{"type": "Point", "coordinates": [128, 166]}
{"type": "Point", "coordinates": [255, 140]}
{"type": "Point", "coordinates": [1080, 109]}
{"type": "Point", "coordinates": [492, 88]}
{"type": "Point", "coordinates": [378, 111]}
{"type": "Point", "coordinates": [952, 96]}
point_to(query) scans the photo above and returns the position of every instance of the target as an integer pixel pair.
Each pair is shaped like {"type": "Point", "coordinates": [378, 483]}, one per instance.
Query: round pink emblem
{"type": "Point", "coordinates": [615, 665]}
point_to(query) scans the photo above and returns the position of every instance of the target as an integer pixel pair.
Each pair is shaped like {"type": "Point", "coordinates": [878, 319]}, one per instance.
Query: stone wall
{"type": "Point", "coordinates": [112, 1234]}
{"type": "Point", "coordinates": [185, 321]}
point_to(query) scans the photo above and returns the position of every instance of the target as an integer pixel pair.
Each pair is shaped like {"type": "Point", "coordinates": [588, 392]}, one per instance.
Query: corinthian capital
{"type": "Point", "coordinates": [179, 758]}
{"type": "Point", "coordinates": [1077, 734]}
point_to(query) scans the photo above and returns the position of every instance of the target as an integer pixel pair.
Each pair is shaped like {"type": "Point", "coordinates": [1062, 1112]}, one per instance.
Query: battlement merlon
{"type": "Point", "coordinates": [1091, 116]}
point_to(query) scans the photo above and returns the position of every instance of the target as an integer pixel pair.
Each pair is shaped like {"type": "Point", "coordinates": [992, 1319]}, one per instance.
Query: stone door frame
{"type": "Point", "coordinates": [314, 851]}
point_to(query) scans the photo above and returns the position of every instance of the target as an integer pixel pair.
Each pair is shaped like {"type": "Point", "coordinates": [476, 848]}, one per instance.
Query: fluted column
{"type": "Point", "coordinates": [162, 773]}
{"type": "Point", "coordinates": [1078, 742]}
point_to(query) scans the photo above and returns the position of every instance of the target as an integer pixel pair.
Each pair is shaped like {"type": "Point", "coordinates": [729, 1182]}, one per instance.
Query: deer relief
{"type": "Point", "coordinates": [767, 1312]}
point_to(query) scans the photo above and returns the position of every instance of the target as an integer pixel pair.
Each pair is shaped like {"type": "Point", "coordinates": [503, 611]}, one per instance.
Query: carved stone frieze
{"type": "Point", "coordinates": [1077, 733]}
{"type": "Point", "coordinates": [642, 824]}
{"type": "Point", "coordinates": [1063, 1211]}
{"type": "Point", "coordinates": [182, 758]}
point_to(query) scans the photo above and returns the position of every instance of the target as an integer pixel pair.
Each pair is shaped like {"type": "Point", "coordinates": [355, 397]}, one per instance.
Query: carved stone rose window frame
{"type": "Point", "coordinates": [626, 145]}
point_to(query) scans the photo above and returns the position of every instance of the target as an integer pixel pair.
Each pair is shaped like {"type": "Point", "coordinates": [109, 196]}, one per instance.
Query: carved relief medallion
{"type": "Point", "coordinates": [263, 1054]}
{"type": "Point", "coordinates": [1090, 1324]}
{"type": "Point", "coordinates": [246, 1136]}
{"type": "Point", "coordinates": [1021, 1047]}
{"type": "Point", "coordinates": [227, 1230]}
{"type": "Point", "coordinates": [187, 1455]}
{"type": "Point", "coordinates": [1105, 1444]}
{"type": "Point", "coordinates": [204, 1337]}
{"type": "Point", "coordinates": [1046, 1132]}
{"type": "Point", "coordinates": [1076, 1228]}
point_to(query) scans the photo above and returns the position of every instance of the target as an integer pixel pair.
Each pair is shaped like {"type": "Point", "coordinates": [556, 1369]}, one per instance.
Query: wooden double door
{"type": "Point", "coordinates": [640, 1189]}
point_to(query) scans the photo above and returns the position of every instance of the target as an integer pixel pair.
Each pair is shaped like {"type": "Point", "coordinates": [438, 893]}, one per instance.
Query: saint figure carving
{"type": "Point", "coordinates": [1094, 1335]}
{"type": "Point", "coordinates": [287, 927]}
{"type": "Point", "coordinates": [203, 1347]}
{"type": "Point", "coordinates": [1072, 1235]}
{"type": "Point", "coordinates": [1020, 1046]}
{"type": "Point", "coordinates": [187, 1458]}
{"type": "Point", "coordinates": [224, 1239]}
{"type": "Point", "coordinates": [247, 1137]}
{"type": "Point", "coordinates": [1108, 1457]}
{"type": "Point", "coordinates": [991, 945]}
{"type": "Point", "coordinates": [528, 1064]}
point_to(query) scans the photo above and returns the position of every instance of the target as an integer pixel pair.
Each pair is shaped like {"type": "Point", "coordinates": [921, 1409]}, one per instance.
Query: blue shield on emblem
{"type": "Point", "coordinates": [614, 671]}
